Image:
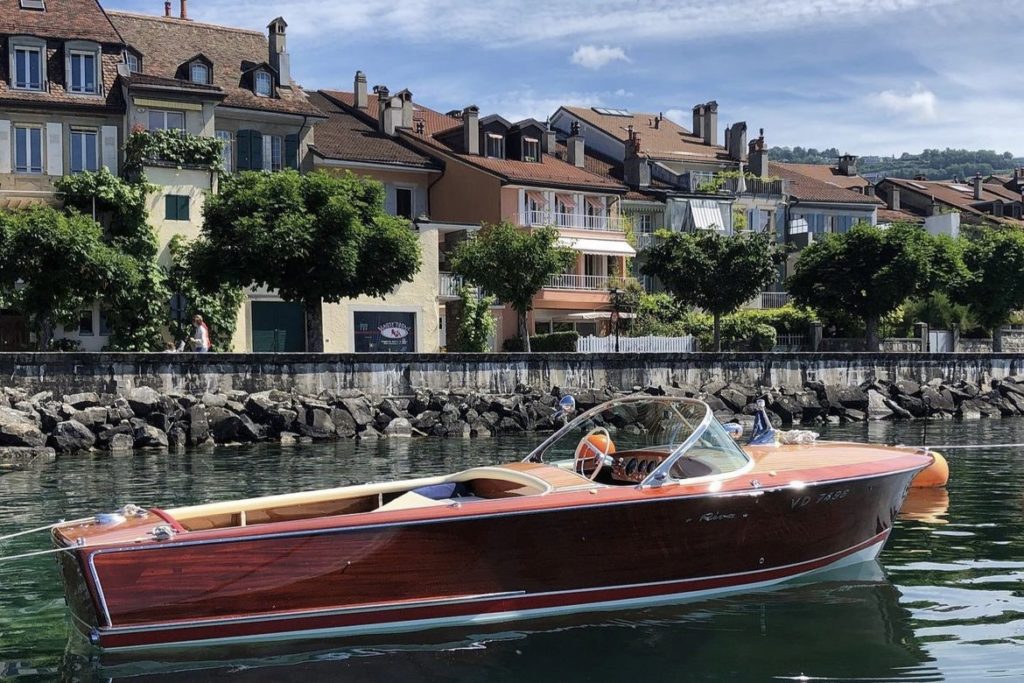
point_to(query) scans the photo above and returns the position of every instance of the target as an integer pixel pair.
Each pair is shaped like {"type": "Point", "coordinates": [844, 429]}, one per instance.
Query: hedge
{"type": "Point", "coordinates": [545, 343]}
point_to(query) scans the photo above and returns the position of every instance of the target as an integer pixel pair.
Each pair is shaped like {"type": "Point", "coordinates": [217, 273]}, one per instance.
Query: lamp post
{"type": "Point", "coordinates": [616, 307]}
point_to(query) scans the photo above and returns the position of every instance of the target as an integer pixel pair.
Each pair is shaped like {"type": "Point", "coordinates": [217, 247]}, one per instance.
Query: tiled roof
{"type": "Point", "coordinates": [62, 20]}
{"type": "Point", "coordinates": [433, 121]}
{"type": "Point", "coordinates": [668, 141]}
{"type": "Point", "coordinates": [1001, 190]}
{"type": "Point", "coordinates": [829, 174]}
{"type": "Point", "coordinates": [176, 83]}
{"type": "Point", "coordinates": [166, 43]}
{"type": "Point", "coordinates": [609, 168]}
{"type": "Point", "coordinates": [806, 188]}
{"type": "Point", "coordinates": [110, 100]}
{"type": "Point", "coordinates": [893, 216]}
{"type": "Point", "coordinates": [347, 137]}
{"type": "Point", "coordinates": [957, 195]}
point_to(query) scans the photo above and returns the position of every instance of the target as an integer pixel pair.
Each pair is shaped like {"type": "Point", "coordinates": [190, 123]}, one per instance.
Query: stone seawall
{"type": "Point", "coordinates": [404, 374]}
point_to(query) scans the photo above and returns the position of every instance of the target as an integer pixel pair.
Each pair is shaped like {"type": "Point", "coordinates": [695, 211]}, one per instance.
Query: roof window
{"type": "Point", "coordinates": [611, 112]}
{"type": "Point", "coordinates": [38, 5]}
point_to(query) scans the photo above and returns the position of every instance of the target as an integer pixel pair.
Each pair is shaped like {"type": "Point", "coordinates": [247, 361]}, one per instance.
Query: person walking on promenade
{"type": "Point", "coordinates": [200, 335]}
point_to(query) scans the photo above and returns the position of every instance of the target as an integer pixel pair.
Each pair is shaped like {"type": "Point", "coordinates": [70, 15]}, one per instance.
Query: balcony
{"type": "Point", "coordinates": [449, 286]}
{"type": "Point", "coordinates": [570, 221]}
{"type": "Point", "coordinates": [585, 283]}
{"type": "Point", "coordinates": [769, 300]}
{"type": "Point", "coordinates": [753, 185]}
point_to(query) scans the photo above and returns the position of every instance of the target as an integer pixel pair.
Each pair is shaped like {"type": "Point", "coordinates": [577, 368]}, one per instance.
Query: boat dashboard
{"type": "Point", "coordinates": [633, 466]}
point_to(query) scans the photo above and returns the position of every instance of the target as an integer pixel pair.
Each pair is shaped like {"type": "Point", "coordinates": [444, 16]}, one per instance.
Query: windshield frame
{"type": "Point", "coordinates": [660, 475]}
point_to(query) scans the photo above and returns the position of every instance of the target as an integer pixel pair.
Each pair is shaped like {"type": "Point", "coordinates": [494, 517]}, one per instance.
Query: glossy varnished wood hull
{"type": "Point", "coordinates": [497, 559]}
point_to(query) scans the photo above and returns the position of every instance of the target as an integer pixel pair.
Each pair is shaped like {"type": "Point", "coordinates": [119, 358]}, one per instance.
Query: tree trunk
{"type": "Point", "coordinates": [45, 334]}
{"type": "Point", "coordinates": [718, 331]}
{"type": "Point", "coordinates": [997, 338]}
{"type": "Point", "coordinates": [871, 341]}
{"type": "Point", "coordinates": [314, 326]}
{"type": "Point", "coordinates": [524, 333]}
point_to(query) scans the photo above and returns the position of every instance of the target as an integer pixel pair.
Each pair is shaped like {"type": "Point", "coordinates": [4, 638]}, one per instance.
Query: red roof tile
{"type": "Point", "coordinates": [433, 121]}
{"type": "Point", "coordinates": [61, 20]}
{"type": "Point", "coordinates": [809, 189]}
{"type": "Point", "coordinates": [830, 175]}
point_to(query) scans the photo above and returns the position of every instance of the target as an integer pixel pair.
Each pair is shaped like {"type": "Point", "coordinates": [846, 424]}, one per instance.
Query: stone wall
{"type": "Point", "coordinates": [402, 375]}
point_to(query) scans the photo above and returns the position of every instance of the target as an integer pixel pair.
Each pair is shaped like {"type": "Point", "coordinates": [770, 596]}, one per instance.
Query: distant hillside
{"type": "Point", "coordinates": [935, 164]}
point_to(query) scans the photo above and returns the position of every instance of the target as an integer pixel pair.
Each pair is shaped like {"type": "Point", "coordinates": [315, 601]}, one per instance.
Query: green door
{"type": "Point", "coordinates": [278, 326]}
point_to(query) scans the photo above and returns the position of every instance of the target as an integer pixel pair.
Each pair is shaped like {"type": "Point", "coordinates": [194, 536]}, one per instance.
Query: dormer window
{"type": "Point", "coordinates": [38, 5]}
{"type": "Point", "coordinates": [262, 83]}
{"type": "Point", "coordinates": [494, 146]}
{"type": "Point", "coordinates": [134, 62]}
{"type": "Point", "coordinates": [531, 149]}
{"type": "Point", "coordinates": [28, 67]}
{"type": "Point", "coordinates": [82, 75]}
{"type": "Point", "coordinates": [199, 73]}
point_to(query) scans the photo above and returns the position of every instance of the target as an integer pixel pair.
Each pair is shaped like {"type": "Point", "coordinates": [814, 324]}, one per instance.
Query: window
{"type": "Point", "coordinates": [28, 68]}
{"type": "Point", "coordinates": [28, 149]}
{"type": "Point", "coordinates": [82, 77]}
{"type": "Point", "coordinates": [263, 84]}
{"type": "Point", "coordinates": [133, 62]}
{"type": "Point", "coordinates": [563, 211]}
{"type": "Point", "coordinates": [842, 223]}
{"type": "Point", "coordinates": [84, 151]}
{"type": "Point", "coordinates": [199, 73]}
{"type": "Point", "coordinates": [33, 4]}
{"type": "Point", "coordinates": [531, 149]}
{"type": "Point", "coordinates": [176, 207]}
{"type": "Point", "coordinates": [85, 328]}
{"type": "Point", "coordinates": [403, 202]}
{"type": "Point", "coordinates": [275, 153]}
{"type": "Point", "coordinates": [644, 223]}
{"type": "Point", "coordinates": [166, 120]}
{"type": "Point", "coordinates": [384, 331]}
{"type": "Point", "coordinates": [105, 329]}
{"type": "Point", "coordinates": [226, 151]}
{"type": "Point", "coordinates": [495, 146]}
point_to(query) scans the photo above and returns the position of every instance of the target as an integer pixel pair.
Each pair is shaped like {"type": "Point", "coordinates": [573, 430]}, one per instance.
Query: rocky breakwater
{"type": "Point", "coordinates": [42, 424]}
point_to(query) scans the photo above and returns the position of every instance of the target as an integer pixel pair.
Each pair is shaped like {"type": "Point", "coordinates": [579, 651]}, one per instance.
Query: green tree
{"type": "Point", "coordinates": [219, 308]}
{"type": "Point", "coordinates": [994, 288]}
{"type": "Point", "coordinates": [512, 264]}
{"type": "Point", "coordinates": [868, 272]}
{"type": "Point", "coordinates": [713, 272]}
{"type": "Point", "coordinates": [311, 238]}
{"type": "Point", "coordinates": [53, 265]}
{"type": "Point", "coordinates": [476, 324]}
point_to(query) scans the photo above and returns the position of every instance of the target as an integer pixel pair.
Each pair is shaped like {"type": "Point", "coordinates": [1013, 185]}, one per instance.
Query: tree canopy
{"type": "Point", "coordinates": [310, 238]}
{"type": "Point", "coordinates": [713, 272]}
{"type": "Point", "coordinates": [512, 264]}
{"type": "Point", "coordinates": [994, 286]}
{"type": "Point", "coordinates": [868, 272]}
{"type": "Point", "coordinates": [934, 164]}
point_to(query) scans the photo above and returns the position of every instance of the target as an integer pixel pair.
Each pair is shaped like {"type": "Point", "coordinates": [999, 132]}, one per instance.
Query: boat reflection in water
{"type": "Point", "coordinates": [847, 624]}
{"type": "Point", "coordinates": [928, 506]}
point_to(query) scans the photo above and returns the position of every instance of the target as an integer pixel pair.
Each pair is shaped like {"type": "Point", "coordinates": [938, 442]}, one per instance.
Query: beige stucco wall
{"type": "Point", "coordinates": [193, 183]}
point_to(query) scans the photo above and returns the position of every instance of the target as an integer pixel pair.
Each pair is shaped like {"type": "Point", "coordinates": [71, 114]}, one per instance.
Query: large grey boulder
{"type": "Point", "coordinates": [198, 425]}
{"type": "Point", "coordinates": [70, 436]}
{"type": "Point", "coordinates": [315, 423]}
{"type": "Point", "coordinates": [83, 400]}
{"type": "Point", "coordinates": [399, 427]}
{"type": "Point", "coordinates": [149, 436]}
{"type": "Point", "coordinates": [359, 409]}
{"type": "Point", "coordinates": [214, 400]}
{"type": "Point", "coordinates": [12, 416]}
{"type": "Point", "coordinates": [143, 400]}
{"type": "Point", "coordinates": [877, 407]}
{"type": "Point", "coordinates": [23, 434]}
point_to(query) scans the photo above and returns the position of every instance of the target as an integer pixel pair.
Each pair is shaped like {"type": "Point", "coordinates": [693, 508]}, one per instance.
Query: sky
{"type": "Point", "coordinates": [870, 77]}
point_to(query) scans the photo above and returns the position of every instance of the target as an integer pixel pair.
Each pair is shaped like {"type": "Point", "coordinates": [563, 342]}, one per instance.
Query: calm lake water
{"type": "Point", "coordinates": [946, 601]}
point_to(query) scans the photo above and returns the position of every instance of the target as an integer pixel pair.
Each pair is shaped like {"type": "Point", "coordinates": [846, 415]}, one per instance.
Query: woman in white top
{"type": "Point", "coordinates": [200, 335]}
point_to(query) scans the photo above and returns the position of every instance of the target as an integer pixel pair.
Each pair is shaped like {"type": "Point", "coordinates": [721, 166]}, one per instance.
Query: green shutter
{"type": "Point", "coordinates": [182, 207]}
{"type": "Point", "coordinates": [256, 150]}
{"type": "Point", "coordinates": [244, 150]}
{"type": "Point", "coordinates": [291, 151]}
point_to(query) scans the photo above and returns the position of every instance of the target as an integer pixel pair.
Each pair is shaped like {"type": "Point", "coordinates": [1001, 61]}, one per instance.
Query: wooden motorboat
{"type": "Point", "coordinates": [637, 501]}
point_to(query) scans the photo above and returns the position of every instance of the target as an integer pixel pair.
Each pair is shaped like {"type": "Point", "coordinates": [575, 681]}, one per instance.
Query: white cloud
{"type": "Point", "coordinates": [684, 117]}
{"type": "Point", "coordinates": [594, 57]}
{"type": "Point", "coordinates": [918, 104]}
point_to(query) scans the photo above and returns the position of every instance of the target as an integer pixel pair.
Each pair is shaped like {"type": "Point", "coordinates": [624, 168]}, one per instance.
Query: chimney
{"type": "Point", "coordinates": [359, 90]}
{"type": "Point", "coordinates": [550, 141]}
{"type": "Point", "coordinates": [574, 146]}
{"type": "Point", "coordinates": [736, 140]}
{"type": "Point", "coordinates": [710, 128]}
{"type": "Point", "coordinates": [848, 165]}
{"type": "Point", "coordinates": [636, 172]}
{"type": "Point", "coordinates": [657, 121]}
{"type": "Point", "coordinates": [471, 130]}
{"type": "Point", "coordinates": [184, 9]}
{"type": "Point", "coordinates": [407, 109]}
{"type": "Point", "coordinates": [894, 198]}
{"type": "Point", "coordinates": [977, 186]}
{"type": "Point", "coordinates": [757, 156]}
{"type": "Point", "coordinates": [383, 98]}
{"type": "Point", "coordinates": [279, 58]}
{"type": "Point", "coordinates": [392, 117]}
{"type": "Point", "coordinates": [698, 120]}
{"type": "Point", "coordinates": [167, 8]}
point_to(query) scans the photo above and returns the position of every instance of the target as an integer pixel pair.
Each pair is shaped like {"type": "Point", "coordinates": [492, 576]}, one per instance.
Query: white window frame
{"type": "Point", "coordinates": [83, 134]}
{"type": "Point", "coordinates": [29, 45]}
{"type": "Point", "coordinates": [226, 154]}
{"type": "Point", "coordinates": [81, 49]}
{"type": "Point", "coordinates": [532, 144]}
{"type": "Point", "coordinates": [265, 78]}
{"type": "Point", "coordinates": [276, 152]}
{"type": "Point", "coordinates": [641, 219]}
{"type": "Point", "coordinates": [206, 70]}
{"type": "Point", "coordinates": [499, 141]}
{"type": "Point", "coordinates": [37, 5]}
{"type": "Point", "coordinates": [164, 113]}
{"type": "Point", "coordinates": [129, 58]}
{"type": "Point", "coordinates": [29, 167]}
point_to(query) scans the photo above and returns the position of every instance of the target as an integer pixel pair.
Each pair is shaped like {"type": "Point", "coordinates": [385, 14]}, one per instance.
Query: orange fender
{"type": "Point", "coordinates": [936, 474]}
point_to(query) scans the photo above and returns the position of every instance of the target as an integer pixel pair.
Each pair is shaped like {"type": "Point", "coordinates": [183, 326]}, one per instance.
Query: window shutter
{"type": "Point", "coordinates": [389, 199]}
{"type": "Point", "coordinates": [291, 151]}
{"type": "Point", "coordinates": [55, 149]}
{"type": "Point", "coordinates": [5, 146]}
{"type": "Point", "coordinates": [108, 147]}
{"type": "Point", "coordinates": [244, 141]}
{"type": "Point", "coordinates": [255, 150]}
{"type": "Point", "coordinates": [267, 153]}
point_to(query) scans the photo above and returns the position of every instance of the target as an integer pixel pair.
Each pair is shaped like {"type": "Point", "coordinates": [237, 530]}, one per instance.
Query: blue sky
{"type": "Point", "coordinates": [867, 76]}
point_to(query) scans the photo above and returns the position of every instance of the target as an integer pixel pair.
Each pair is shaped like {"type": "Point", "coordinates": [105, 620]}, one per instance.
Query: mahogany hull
{"type": "Point", "coordinates": [484, 561]}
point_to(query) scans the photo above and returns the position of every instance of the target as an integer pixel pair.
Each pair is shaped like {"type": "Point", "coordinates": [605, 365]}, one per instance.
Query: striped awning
{"type": "Point", "coordinates": [599, 247]}
{"type": "Point", "coordinates": [706, 214]}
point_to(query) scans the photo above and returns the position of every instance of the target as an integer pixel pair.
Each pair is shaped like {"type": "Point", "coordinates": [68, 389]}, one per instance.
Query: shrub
{"type": "Point", "coordinates": [557, 342]}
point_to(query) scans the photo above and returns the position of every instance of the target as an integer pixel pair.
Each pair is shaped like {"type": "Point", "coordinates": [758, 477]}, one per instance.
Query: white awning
{"type": "Point", "coordinates": [601, 247]}
{"type": "Point", "coordinates": [597, 315]}
{"type": "Point", "coordinates": [706, 214]}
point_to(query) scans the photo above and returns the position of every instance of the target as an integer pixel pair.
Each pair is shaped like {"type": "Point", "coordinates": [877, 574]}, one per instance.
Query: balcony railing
{"type": "Point", "coordinates": [450, 286]}
{"type": "Point", "coordinates": [755, 185]}
{"type": "Point", "coordinates": [588, 283]}
{"type": "Point", "coordinates": [571, 221]}
{"type": "Point", "coordinates": [769, 300]}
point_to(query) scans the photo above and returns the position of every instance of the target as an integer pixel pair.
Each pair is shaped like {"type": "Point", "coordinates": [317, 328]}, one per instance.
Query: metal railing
{"type": "Point", "coordinates": [572, 221]}
{"type": "Point", "coordinates": [449, 286]}
{"type": "Point", "coordinates": [774, 299]}
{"type": "Point", "coordinates": [584, 282]}
{"type": "Point", "coordinates": [755, 185]}
{"type": "Point", "coordinates": [636, 344]}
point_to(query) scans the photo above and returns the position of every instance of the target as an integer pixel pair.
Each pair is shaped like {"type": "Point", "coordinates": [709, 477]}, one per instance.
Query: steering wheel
{"type": "Point", "coordinates": [587, 450]}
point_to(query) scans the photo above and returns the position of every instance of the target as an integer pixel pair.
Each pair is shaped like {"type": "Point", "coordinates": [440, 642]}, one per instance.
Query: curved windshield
{"type": "Point", "coordinates": [643, 440]}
